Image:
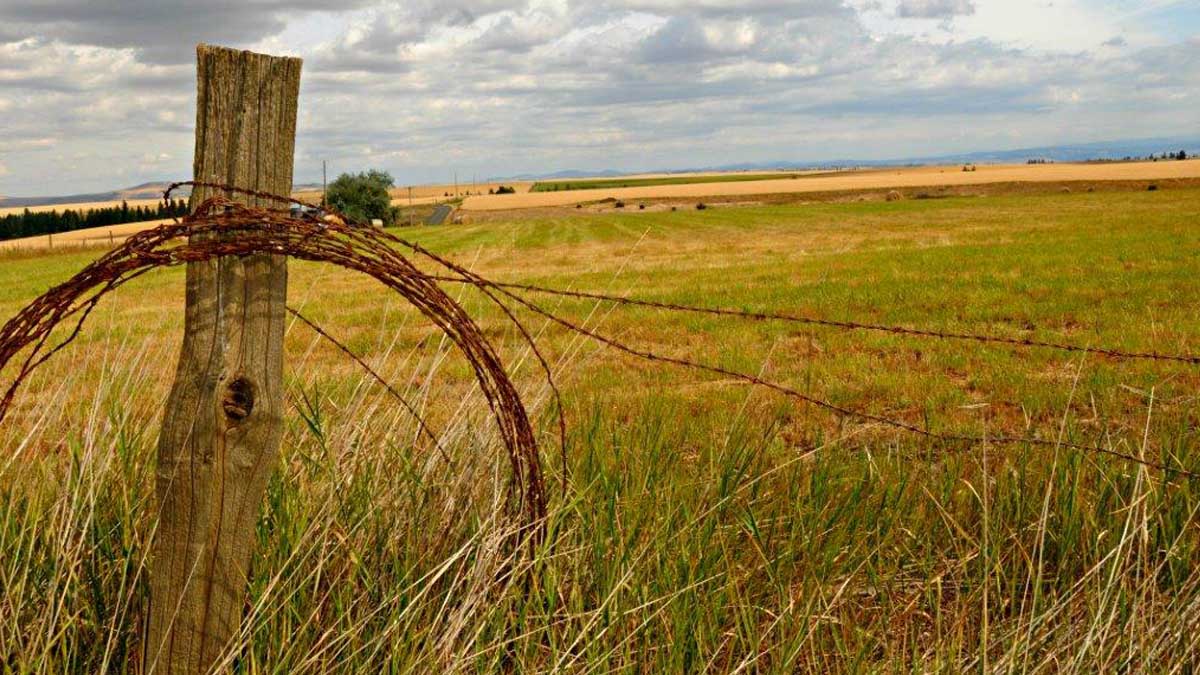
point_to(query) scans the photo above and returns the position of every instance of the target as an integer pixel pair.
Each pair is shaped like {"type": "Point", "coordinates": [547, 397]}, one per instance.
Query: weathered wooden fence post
{"type": "Point", "coordinates": [223, 420]}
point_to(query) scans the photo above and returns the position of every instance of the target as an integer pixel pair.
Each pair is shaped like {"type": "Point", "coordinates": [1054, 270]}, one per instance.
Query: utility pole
{"type": "Point", "coordinates": [410, 208]}
{"type": "Point", "coordinates": [456, 183]}
{"type": "Point", "coordinates": [324, 185]}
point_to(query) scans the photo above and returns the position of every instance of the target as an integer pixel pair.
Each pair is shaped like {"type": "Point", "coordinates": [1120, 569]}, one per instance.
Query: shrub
{"type": "Point", "coordinates": [893, 196]}
{"type": "Point", "coordinates": [506, 190]}
{"type": "Point", "coordinates": [641, 207]}
{"type": "Point", "coordinates": [362, 196]}
{"type": "Point", "coordinates": [619, 205]}
{"type": "Point", "coordinates": [701, 206]}
{"type": "Point", "coordinates": [1151, 187]}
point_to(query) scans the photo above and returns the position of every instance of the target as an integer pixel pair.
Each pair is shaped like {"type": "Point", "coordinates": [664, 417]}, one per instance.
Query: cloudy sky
{"type": "Point", "coordinates": [98, 94]}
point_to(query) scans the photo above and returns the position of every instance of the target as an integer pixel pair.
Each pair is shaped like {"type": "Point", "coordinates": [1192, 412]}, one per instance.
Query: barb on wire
{"type": "Point", "coordinates": [845, 325]}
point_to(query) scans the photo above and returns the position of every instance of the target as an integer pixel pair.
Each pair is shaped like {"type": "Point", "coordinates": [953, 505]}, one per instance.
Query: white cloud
{"type": "Point", "coordinates": [421, 87]}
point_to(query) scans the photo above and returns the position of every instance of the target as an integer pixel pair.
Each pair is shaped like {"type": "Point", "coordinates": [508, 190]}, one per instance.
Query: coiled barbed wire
{"type": "Point", "coordinates": [306, 237]}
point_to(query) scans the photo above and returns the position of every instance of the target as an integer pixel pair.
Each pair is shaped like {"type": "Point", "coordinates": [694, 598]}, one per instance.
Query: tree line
{"type": "Point", "coordinates": [31, 224]}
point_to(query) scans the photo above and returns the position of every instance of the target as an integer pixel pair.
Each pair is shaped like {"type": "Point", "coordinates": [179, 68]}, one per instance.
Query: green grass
{"type": "Point", "coordinates": [610, 183]}
{"type": "Point", "coordinates": [705, 526]}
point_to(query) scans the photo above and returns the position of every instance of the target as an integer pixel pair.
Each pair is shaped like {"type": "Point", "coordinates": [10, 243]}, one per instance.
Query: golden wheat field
{"type": "Point", "coordinates": [854, 180]}
{"type": "Point", "coordinates": [80, 206]}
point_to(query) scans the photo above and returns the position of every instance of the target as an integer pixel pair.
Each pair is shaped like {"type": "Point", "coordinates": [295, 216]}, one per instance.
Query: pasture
{"type": "Point", "coordinates": [700, 524]}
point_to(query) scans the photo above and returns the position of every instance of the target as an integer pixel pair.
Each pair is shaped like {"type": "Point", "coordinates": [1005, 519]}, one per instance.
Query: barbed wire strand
{"type": "Point", "coordinates": [471, 278]}
{"type": "Point", "coordinates": [846, 325]}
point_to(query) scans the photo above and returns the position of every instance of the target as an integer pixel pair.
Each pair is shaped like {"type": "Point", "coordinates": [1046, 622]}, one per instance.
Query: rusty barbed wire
{"type": "Point", "coordinates": [556, 395]}
{"type": "Point", "coordinates": [271, 231]}
{"type": "Point", "coordinates": [845, 325]}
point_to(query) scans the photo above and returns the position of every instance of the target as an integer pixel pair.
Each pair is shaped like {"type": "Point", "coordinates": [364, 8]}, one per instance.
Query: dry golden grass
{"type": "Point", "coordinates": [855, 180]}
{"type": "Point", "coordinates": [686, 174]}
{"type": "Point", "coordinates": [91, 236]}
{"type": "Point", "coordinates": [80, 206]}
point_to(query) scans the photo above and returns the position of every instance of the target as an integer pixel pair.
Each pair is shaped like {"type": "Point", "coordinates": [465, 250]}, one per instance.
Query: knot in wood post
{"type": "Point", "coordinates": [238, 401]}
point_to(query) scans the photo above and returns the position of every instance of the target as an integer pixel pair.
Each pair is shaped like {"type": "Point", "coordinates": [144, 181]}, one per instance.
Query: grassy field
{"type": "Point", "coordinates": [624, 182]}
{"type": "Point", "coordinates": [704, 526]}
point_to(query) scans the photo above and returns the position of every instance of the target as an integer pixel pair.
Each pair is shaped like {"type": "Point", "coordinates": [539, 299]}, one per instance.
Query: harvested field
{"type": "Point", "coordinates": [92, 236]}
{"type": "Point", "coordinates": [81, 206]}
{"type": "Point", "coordinates": [855, 180]}
{"type": "Point", "coordinates": [668, 179]}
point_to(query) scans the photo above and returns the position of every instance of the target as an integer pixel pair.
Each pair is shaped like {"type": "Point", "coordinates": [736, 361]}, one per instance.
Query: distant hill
{"type": "Point", "coordinates": [1078, 152]}
{"type": "Point", "coordinates": [570, 173]}
{"type": "Point", "coordinates": [143, 191]}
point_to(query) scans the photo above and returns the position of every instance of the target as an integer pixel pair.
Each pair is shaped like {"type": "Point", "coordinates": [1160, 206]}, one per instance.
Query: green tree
{"type": "Point", "coordinates": [362, 196]}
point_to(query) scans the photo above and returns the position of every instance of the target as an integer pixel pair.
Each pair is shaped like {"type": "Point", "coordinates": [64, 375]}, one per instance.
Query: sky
{"type": "Point", "coordinates": [100, 94]}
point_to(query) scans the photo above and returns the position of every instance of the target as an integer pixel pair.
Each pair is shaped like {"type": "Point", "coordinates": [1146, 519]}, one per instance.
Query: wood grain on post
{"type": "Point", "coordinates": [223, 420]}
